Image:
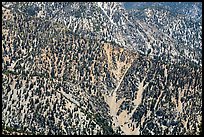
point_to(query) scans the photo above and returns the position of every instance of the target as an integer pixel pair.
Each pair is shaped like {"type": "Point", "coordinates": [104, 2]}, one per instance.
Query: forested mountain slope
{"type": "Point", "coordinates": [96, 68]}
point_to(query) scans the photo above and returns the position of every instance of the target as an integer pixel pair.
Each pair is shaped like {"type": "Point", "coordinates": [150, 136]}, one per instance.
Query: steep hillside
{"type": "Point", "coordinates": [94, 68]}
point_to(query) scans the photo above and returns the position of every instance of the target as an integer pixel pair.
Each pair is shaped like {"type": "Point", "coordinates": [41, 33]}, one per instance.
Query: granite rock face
{"type": "Point", "coordinates": [96, 68]}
